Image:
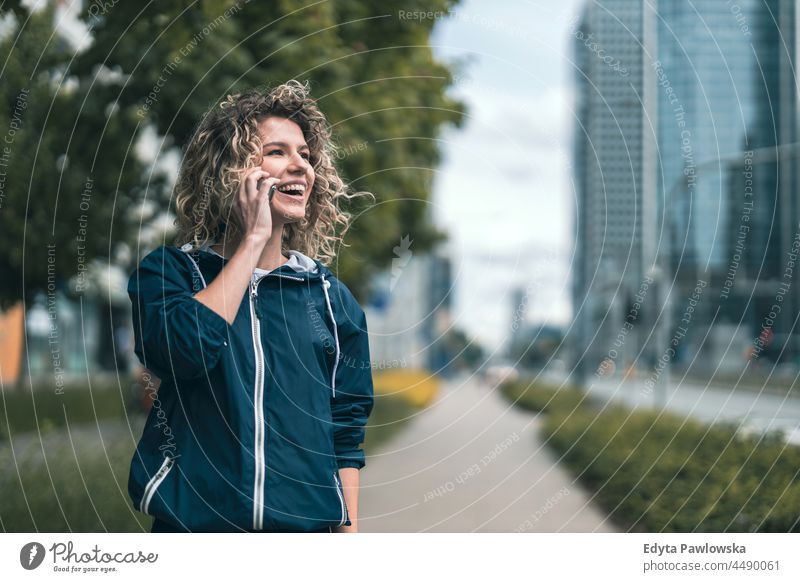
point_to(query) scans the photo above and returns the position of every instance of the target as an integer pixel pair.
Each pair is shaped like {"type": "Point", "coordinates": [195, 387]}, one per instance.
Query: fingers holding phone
{"type": "Point", "coordinates": [255, 195]}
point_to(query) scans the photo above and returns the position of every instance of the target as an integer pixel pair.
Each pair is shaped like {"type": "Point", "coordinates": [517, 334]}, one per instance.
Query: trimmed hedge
{"type": "Point", "coordinates": [662, 472]}
{"type": "Point", "coordinates": [43, 409]}
{"type": "Point", "coordinates": [72, 486]}
{"type": "Point", "coordinates": [539, 397]}
{"type": "Point", "coordinates": [389, 416]}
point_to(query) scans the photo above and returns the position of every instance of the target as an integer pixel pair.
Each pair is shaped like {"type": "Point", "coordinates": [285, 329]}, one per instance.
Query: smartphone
{"type": "Point", "coordinates": [271, 190]}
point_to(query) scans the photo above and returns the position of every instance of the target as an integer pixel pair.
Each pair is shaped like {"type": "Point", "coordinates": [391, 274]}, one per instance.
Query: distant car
{"type": "Point", "coordinates": [496, 375]}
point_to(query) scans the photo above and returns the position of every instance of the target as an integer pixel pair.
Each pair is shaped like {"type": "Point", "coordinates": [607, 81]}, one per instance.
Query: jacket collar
{"type": "Point", "coordinates": [299, 264]}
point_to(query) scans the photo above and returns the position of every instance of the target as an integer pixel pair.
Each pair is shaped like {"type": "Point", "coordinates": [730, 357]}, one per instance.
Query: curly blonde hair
{"type": "Point", "coordinates": [227, 140]}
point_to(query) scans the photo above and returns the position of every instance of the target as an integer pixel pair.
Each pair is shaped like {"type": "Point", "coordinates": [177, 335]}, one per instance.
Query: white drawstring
{"type": "Point", "coordinates": [325, 285]}
{"type": "Point", "coordinates": [187, 248]}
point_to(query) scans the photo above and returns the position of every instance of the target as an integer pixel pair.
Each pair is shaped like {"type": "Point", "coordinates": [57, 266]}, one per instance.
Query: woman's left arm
{"type": "Point", "coordinates": [352, 402]}
{"type": "Point", "coordinates": [349, 477]}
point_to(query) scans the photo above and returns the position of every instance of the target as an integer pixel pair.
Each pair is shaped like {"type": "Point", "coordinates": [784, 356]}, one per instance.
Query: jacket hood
{"type": "Point", "coordinates": [300, 263]}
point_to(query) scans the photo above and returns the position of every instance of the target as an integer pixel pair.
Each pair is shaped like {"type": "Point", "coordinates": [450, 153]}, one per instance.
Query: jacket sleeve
{"type": "Point", "coordinates": [352, 404]}
{"type": "Point", "coordinates": [175, 335]}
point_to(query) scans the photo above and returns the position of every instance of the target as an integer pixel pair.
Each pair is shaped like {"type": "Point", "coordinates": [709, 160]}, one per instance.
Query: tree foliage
{"type": "Point", "coordinates": [68, 172]}
{"type": "Point", "coordinates": [74, 187]}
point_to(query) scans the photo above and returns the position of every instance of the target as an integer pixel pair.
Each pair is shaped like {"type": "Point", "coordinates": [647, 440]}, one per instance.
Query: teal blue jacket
{"type": "Point", "coordinates": [252, 420]}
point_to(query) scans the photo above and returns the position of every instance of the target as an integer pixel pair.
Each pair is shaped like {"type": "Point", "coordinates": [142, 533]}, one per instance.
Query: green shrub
{"type": "Point", "coordinates": [68, 489]}
{"type": "Point", "coordinates": [661, 472]}
{"type": "Point", "coordinates": [540, 397]}
{"type": "Point", "coordinates": [43, 407]}
{"type": "Point", "coordinates": [389, 416]}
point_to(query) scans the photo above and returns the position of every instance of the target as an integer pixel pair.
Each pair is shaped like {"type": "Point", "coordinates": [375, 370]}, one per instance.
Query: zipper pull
{"type": "Point", "coordinates": [254, 296]}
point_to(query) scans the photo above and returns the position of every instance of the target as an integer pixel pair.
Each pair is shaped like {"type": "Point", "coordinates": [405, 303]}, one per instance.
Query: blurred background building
{"type": "Point", "coordinates": [686, 171]}
{"type": "Point", "coordinates": [409, 314]}
{"type": "Point", "coordinates": [614, 179]}
{"type": "Point", "coordinates": [728, 185]}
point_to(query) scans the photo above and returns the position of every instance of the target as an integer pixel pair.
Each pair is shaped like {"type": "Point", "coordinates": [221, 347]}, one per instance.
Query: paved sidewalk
{"type": "Point", "coordinates": [471, 462]}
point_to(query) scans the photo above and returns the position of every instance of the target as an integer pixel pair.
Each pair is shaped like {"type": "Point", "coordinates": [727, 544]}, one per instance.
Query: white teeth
{"type": "Point", "coordinates": [292, 187]}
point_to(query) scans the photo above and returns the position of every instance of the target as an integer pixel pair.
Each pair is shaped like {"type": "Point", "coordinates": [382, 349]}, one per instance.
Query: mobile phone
{"type": "Point", "coordinates": [271, 192]}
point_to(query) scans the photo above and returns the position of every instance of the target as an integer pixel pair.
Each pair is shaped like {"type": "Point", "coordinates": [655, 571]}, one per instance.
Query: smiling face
{"type": "Point", "coordinates": [286, 156]}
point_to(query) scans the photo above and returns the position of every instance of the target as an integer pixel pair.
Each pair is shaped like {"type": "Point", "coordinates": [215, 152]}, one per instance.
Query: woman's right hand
{"type": "Point", "coordinates": [254, 203]}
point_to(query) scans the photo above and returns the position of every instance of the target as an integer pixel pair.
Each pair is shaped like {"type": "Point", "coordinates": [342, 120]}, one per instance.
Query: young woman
{"type": "Point", "coordinates": [262, 353]}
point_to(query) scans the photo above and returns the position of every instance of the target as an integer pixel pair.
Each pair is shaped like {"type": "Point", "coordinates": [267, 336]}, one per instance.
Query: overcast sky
{"type": "Point", "coordinates": [504, 191]}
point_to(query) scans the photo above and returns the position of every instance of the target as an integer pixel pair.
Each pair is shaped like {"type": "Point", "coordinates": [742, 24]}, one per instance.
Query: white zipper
{"type": "Point", "coordinates": [258, 404]}
{"type": "Point", "coordinates": [258, 409]}
{"type": "Point", "coordinates": [341, 499]}
{"type": "Point", "coordinates": [152, 485]}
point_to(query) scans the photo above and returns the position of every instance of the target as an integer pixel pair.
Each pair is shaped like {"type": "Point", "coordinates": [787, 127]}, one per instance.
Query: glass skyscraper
{"type": "Point", "coordinates": [615, 177]}
{"type": "Point", "coordinates": [686, 116]}
{"type": "Point", "coordinates": [725, 114]}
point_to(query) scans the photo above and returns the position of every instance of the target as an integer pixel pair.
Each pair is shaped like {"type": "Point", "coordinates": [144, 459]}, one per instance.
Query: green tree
{"type": "Point", "coordinates": [75, 182]}
{"type": "Point", "coordinates": [67, 170]}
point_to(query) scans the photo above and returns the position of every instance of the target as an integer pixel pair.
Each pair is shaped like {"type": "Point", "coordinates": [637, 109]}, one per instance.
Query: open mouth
{"type": "Point", "coordinates": [292, 189]}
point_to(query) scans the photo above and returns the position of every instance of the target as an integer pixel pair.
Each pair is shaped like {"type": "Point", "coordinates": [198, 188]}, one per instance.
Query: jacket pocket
{"type": "Point", "coordinates": [155, 482]}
